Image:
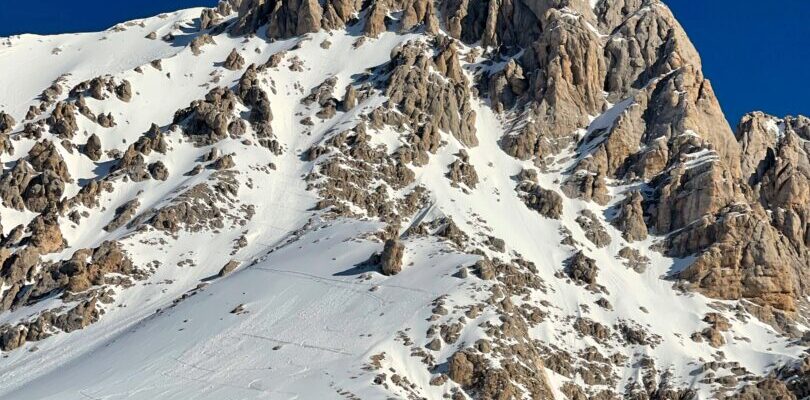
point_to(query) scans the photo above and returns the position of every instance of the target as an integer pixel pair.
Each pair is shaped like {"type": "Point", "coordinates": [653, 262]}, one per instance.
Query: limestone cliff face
{"type": "Point", "coordinates": [565, 62]}
{"type": "Point", "coordinates": [776, 164]}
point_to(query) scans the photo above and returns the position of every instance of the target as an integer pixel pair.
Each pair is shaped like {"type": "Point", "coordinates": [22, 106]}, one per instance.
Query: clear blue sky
{"type": "Point", "coordinates": [757, 53]}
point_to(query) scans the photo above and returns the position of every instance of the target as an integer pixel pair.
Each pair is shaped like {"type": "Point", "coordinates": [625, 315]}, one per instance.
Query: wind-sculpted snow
{"type": "Point", "coordinates": [394, 199]}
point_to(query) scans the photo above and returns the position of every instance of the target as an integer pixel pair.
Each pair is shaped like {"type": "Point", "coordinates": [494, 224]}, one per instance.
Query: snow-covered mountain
{"type": "Point", "coordinates": [294, 199]}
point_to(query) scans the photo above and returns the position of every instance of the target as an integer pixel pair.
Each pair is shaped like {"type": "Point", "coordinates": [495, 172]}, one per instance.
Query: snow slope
{"type": "Point", "coordinates": [312, 313]}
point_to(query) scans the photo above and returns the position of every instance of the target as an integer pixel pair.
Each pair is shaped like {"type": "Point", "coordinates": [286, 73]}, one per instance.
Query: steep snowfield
{"type": "Point", "coordinates": [313, 314]}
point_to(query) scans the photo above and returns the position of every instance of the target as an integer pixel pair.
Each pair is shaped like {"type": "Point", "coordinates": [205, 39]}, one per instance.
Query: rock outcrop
{"type": "Point", "coordinates": [573, 103]}
{"type": "Point", "coordinates": [391, 258]}
{"type": "Point", "coordinates": [546, 202]}
{"type": "Point", "coordinates": [6, 123]}
{"type": "Point", "coordinates": [235, 61]}
{"type": "Point", "coordinates": [284, 19]}
{"type": "Point", "coordinates": [207, 121]}
{"type": "Point", "coordinates": [430, 102]}
{"type": "Point", "coordinates": [630, 218]}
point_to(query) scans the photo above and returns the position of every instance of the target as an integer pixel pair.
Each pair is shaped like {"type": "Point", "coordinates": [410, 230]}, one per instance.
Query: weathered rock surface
{"type": "Point", "coordinates": [206, 121]}
{"type": "Point", "coordinates": [228, 268]}
{"type": "Point", "coordinates": [285, 19]}
{"type": "Point", "coordinates": [430, 102]}
{"type": "Point", "coordinates": [546, 202]}
{"type": "Point", "coordinates": [6, 123]}
{"type": "Point", "coordinates": [598, 96]}
{"type": "Point", "coordinates": [463, 172]}
{"type": "Point", "coordinates": [630, 218]}
{"type": "Point", "coordinates": [199, 41]}
{"type": "Point", "coordinates": [123, 215]}
{"type": "Point", "coordinates": [582, 269]}
{"type": "Point", "coordinates": [93, 148]}
{"type": "Point", "coordinates": [391, 258]}
{"type": "Point", "coordinates": [593, 229]}
{"type": "Point", "coordinates": [235, 61]}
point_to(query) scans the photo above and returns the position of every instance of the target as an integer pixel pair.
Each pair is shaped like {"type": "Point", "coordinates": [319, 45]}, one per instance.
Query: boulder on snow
{"type": "Point", "coordinates": [228, 268]}
{"type": "Point", "coordinates": [391, 259]}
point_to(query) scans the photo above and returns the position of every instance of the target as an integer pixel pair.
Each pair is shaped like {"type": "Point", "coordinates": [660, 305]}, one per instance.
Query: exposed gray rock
{"type": "Point", "coordinates": [485, 270]}
{"type": "Point", "coordinates": [199, 208]}
{"type": "Point", "coordinates": [235, 61]}
{"type": "Point", "coordinates": [6, 123]}
{"type": "Point", "coordinates": [132, 165]}
{"type": "Point", "coordinates": [430, 102]}
{"type": "Point", "coordinates": [582, 269]}
{"type": "Point", "coordinates": [391, 258]}
{"type": "Point", "coordinates": [587, 186]}
{"type": "Point", "coordinates": [152, 140]}
{"type": "Point", "coordinates": [593, 229]}
{"type": "Point", "coordinates": [506, 86]}
{"type": "Point", "coordinates": [158, 171]}
{"type": "Point", "coordinates": [261, 115]}
{"type": "Point", "coordinates": [123, 215]}
{"type": "Point", "coordinates": [63, 120]}
{"type": "Point", "coordinates": [92, 149]}
{"type": "Point", "coordinates": [630, 219]}
{"type": "Point", "coordinates": [349, 99]}
{"type": "Point", "coordinates": [206, 121]}
{"type": "Point", "coordinates": [284, 19]}
{"type": "Point", "coordinates": [106, 120]}
{"type": "Point", "coordinates": [198, 42]}
{"type": "Point", "coordinates": [228, 268]}
{"type": "Point", "coordinates": [124, 91]}
{"type": "Point", "coordinates": [224, 162]}
{"type": "Point", "coordinates": [37, 181]}
{"type": "Point", "coordinates": [634, 259]}
{"type": "Point", "coordinates": [546, 202]}
{"type": "Point", "coordinates": [461, 171]}
{"type": "Point", "coordinates": [208, 18]}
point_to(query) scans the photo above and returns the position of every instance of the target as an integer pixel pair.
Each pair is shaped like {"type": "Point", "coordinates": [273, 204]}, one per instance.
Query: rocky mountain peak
{"type": "Point", "coordinates": [396, 198]}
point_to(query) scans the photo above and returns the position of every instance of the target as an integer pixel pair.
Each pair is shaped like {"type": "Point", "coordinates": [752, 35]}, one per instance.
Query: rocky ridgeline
{"type": "Point", "coordinates": [737, 203]}
{"type": "Point", "coordinates": [38, 182]}
{"type": "Point", "coordinates": [709, 189]}
{"type": "Point", "coordinates": [669, 131]}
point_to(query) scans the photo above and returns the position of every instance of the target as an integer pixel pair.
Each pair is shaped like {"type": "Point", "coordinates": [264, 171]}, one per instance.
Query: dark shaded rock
{"type": "Point", "coordinates": [284, 19]}
{"type": "Point", "coordinates": [546, 202]}
{"type": "Point", "coordinates": [461, 171]}
{"type": "Point", "coordinates": [6, 123]}
{"type": "Point", "coordinates": [106, 120]}
{"type": "Point", "coordinates": [234, 62]}
{"type": "Point", "coordinates": [158, 171]}
{"type": "Point", "coordinates": [199, 41]}
{"type": "Point", "coordinates": [208, 18]}
{"type": "Point", "coordinates": [391, 258]}
{"type": "Point", "coordinates": [224, 162]}
{"type": "Point", "coordinates": [593, 229]}
{"type": "Point", "coordinates": [92, 149]}
{"type": "Point", "coordinates": [124, 91]}
{"type": "Point", "coordinates": [206, 121]}
{"type": "Point", "coordinates": [582, 269]}
{"type": "Point", "coordinates": [63, 120]}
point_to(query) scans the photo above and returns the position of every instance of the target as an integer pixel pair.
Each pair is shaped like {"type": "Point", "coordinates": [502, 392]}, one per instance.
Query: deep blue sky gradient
{"type": "Point", "coordinates": [757, 53]}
